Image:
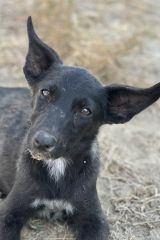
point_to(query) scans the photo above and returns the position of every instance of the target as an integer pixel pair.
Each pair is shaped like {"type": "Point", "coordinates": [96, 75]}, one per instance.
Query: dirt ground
{"type": "Point", "coordinates": [119, 41]}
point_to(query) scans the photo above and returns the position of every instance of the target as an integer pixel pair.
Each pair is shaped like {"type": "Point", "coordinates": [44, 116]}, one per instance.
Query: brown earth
{"type": "Point", "coordinates": [119, 41]}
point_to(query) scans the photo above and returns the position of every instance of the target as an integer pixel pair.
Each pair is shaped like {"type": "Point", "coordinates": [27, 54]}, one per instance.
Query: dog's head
{"type": "Point", "coordinates": [70, 104]}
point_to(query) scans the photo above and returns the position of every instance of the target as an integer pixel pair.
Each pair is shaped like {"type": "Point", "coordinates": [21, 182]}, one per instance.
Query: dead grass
{"type": "Point", "coordinates": [75, 45]}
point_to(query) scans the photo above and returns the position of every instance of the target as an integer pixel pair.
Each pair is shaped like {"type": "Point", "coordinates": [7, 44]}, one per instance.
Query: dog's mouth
{"type": "Point", "coordinates": [37, 156]}
{"type": "Point", "coordinates": [41, 156]}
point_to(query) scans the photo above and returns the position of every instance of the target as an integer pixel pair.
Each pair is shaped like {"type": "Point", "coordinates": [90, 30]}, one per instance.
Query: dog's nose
{"type": "Point", "coordinates": [44, 141]}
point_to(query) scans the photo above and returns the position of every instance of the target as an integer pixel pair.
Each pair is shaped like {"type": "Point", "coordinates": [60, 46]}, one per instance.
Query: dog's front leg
{"type": "Point", "coordinates": [90, 223]}
{"type": "Point", "coordinates": [10, 224]}
{"type": "Point", "coordinates": [92, 228]}
{"type": "Point", "coordinates": [15, 210]}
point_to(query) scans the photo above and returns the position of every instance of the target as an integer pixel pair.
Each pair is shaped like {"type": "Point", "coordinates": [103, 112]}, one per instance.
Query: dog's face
{"type": "Point", "coordinates": [66, 111]}
{"type": "Point", "coordinates": [70, 104]}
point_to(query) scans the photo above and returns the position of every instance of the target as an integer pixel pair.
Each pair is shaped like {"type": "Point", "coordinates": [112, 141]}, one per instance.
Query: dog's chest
{"type": "Point", "coordinates": [53, 209]}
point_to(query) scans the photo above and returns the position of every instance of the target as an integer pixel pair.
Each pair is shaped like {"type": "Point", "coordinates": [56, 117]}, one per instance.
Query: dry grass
{"type": "Point", "coordinates": [135, 202]}
{"type": "Point", "coordinates": [133, 206]}
{"type": "Point", "coordinates": [75, 45]}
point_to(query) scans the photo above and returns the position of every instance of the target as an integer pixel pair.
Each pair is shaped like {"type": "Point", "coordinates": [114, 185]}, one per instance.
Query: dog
{"type": "Point", "coordinates": [49, 160]}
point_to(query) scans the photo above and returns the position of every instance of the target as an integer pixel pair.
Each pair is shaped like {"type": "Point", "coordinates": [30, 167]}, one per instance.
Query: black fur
{"type": "Point", "coordinates": [68, 107]}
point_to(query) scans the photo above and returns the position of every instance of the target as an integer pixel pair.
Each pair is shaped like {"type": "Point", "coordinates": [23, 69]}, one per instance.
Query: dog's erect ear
{"type": "Point", "coordinates": [124, 102]}
{"type": "Point", "coordinates": [40, 57]}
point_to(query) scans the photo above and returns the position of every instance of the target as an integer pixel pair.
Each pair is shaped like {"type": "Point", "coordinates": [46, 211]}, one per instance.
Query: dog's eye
{"type": "Point", "coordinates": [45, 92]}
{"type": "Point", "coordinates": [85, 111]}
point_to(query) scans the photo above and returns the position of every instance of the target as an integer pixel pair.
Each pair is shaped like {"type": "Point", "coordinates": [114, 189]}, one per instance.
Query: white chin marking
{"type": "Point", "coordinates": [56, 168]}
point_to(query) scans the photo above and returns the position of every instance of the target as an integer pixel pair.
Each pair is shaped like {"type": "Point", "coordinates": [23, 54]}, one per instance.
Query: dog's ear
{"type": "Point", "coordinates": [40, 57]}
{"type": "Point", "coordinates": [125, 102]}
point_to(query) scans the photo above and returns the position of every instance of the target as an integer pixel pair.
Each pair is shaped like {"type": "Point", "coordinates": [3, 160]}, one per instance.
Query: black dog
{"type": "Point", "coordinates": [49, 160]}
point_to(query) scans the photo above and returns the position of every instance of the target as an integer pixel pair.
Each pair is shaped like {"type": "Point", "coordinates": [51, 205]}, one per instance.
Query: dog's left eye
{"type": "Point", "coordinates": [85, 111]}
{"type": "Point", "coordinates": [45, 92]}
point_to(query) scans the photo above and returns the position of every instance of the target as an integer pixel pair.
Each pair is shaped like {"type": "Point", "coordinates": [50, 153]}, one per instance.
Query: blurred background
{"type": "Point", "coordinates": [119, 41]}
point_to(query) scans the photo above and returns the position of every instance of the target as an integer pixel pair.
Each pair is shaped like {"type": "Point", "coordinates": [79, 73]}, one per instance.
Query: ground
{"type": "Point", "coordinates": [119, 41]}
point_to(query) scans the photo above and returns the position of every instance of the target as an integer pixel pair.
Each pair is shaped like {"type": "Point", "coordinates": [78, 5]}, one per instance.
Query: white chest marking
{"type": "Point", "coordinates": [52, 206]}
{"type": "Point", "coordinates": [56, 167]}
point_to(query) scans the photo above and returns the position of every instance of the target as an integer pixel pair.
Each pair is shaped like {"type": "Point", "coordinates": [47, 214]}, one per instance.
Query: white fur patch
{"type": "Point", "coordinates": [52, 206]}
{"type": "Point", "coordinates": [56, 167]}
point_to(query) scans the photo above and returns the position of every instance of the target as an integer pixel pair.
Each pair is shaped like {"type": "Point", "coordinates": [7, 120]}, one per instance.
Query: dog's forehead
{"type": "Point", "coordinates": [77, 79]}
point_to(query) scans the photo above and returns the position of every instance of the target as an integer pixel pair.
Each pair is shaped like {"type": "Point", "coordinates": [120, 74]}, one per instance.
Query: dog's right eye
{"type": "Point", "coordinates": [45, 92]}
